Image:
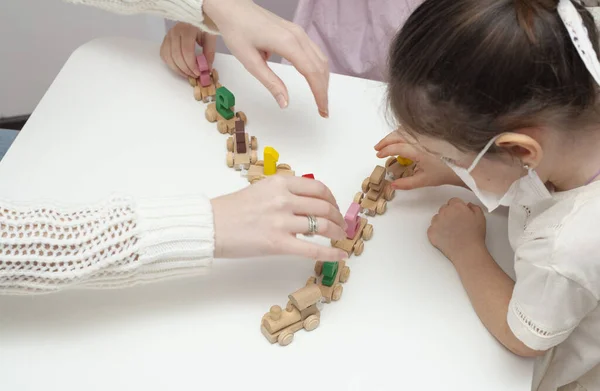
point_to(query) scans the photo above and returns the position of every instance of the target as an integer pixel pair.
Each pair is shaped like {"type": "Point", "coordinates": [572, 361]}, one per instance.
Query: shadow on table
{"type": "Point", "coordinates": [231, 281]}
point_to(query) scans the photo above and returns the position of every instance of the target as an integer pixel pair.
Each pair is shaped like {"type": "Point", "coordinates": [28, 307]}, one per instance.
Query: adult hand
{"type": "Point", "coordinates": [251, 33]}
{"type": "Point", "coordinates": [178, 49]}
{"type": "Point", "coordinates": [264, 219]}
{"type": "Point", "coordinates": [429, 171]}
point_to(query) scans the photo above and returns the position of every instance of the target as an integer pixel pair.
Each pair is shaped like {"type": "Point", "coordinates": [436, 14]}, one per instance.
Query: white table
{"type": "Point", "coordinates": [115, 120]}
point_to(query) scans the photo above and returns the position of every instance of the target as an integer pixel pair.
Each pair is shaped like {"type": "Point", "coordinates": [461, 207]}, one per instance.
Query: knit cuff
{"type": "Point", "coordinates": [175, 233]}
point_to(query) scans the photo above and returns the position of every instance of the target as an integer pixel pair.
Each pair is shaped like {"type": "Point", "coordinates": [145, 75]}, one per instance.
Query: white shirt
{"type": "Point", "coordinates": [555, 302]}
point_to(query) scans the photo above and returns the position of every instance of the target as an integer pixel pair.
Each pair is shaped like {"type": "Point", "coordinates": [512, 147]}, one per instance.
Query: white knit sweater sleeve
{"type": "Point", "coordinates": [117, 243]}
{"type": "Point", "coordinates": [189, 11]}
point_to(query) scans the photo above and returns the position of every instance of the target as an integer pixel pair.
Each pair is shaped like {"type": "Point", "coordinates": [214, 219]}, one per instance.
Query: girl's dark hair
{"type": "Point", "coordinates": [467, 70]}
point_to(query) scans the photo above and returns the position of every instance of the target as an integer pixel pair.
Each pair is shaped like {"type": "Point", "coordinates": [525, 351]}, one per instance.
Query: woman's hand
{"type": "Point", "coordinates": [264, 219]}
{"type": "Point", "coordinates": [178, 49]}
{"type": "Point", "coordinates": [458, 230]}
{"type": "Point", "coordinates": [252, 33]}
{"type": "Point", "coordinates": [429, 171]}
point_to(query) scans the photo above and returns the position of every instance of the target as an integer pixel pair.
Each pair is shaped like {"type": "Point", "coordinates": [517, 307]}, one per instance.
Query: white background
{"type": "Point", "coordinates": [37, 37]}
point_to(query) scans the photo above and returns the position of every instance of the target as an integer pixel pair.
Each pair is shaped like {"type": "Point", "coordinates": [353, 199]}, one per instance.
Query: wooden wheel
{"type": "Point", "coordinates": [345, 274]}
{"type": "Point", "coordinates": [337, 292]}
{"type": "Point", "coordinates": [230, 144]}
{"type": "Point", "coordinates": [367, 233]}
{"type": "Point", "coordinates": [381, 206]}
{"type": "Point", "coordinates": [222, 127]}
{"type": "Point", "coordinates": [311, 323]}
{"type": "Point", "coordinates": [311, 280]}
{"type": "Point", "coordinates": [211, 112]}
{"type": "Point", "coordinates": [358, 197]}
{"type": "Point", "coordinates": [253, 157]}
{"type": "Point", "coordinates": [389, 192]}
{"type": "Point", "coordinates": [285, 338]}
{"type": "Point", "coordinates": [215, 76]}
{"type": "Point", "coordinates": [198, 92]}
{"type": "Point", "coordinates": [284, 166]}
{"type": "Point", "coordinates": [318, 268]}
{"type": "Point", "coordinates": [229, 159]}
{"type": "Point", "coordinates": [242, 116]}
{"type": "Point", "coordinates": [359, 247]}
{"type": "Point", "coordinates": [253, 143]}
{"type": "Point", "coordinates": [365, 185]}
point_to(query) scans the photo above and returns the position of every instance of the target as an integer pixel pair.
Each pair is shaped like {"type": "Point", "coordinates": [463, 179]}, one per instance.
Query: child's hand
{"type": "Point", "coordinates": [178, 49]}
{"type": "Point", "coordinates": [457, 228]}
{"type": "Point", "coordinates": [429, 171]}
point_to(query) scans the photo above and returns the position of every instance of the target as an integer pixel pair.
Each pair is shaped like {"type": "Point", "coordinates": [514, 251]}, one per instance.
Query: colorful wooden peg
{"type": "Point", "coordinates": [271, 158]}
{"type": "Point", "coordinates": [225, 102]}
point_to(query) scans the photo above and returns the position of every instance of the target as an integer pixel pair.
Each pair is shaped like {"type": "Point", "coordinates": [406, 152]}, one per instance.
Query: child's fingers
{"type": "Point", "coordinates": [392, 138]}
{"type": "Point", "coordinates": [416, 181]}
{"type": "Point", "coordinates": [399, 149]}
{"type": "Point", "coordinates": [209, 47]}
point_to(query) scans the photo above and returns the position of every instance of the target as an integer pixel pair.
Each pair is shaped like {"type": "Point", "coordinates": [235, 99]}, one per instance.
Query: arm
{"type": "Point", "coordinates": [490, 291]}
{"type": "Point", "coordinates": [189, 11]}
{"type": "Point", "coordinates": [115, 244]}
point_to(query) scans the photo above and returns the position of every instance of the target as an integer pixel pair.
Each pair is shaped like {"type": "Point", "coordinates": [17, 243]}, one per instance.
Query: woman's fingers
{"type": "Point", "coordinates": [188, 53]}
{"type": "Point", "coordinates": [177, 54]}
{"type": "Point", "coordinates": [254, 63]}
{"type": "Point", "coordinates": [166, 51]}
{"type": "Point", "coordinates": [305, 206]}
{"type": "Point", "coordinates": [306, 187]}
{"type": "Point", "coordinates": [325, 227]}
{"type": "Point", "coordinates": [209, 47]}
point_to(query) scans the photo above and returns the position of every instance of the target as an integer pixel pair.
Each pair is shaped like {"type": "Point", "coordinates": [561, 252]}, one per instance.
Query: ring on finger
{"type": "Point", "coordinates": [313, 226]}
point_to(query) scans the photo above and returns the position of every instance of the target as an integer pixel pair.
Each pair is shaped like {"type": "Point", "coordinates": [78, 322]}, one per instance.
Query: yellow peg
{"type": "Point", "coordinates": [404, 161]}
{"type": "Point", "coordinates": [271, 158]}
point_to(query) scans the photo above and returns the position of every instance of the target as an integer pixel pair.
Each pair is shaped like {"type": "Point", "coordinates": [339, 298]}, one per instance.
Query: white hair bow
{"type": "Point", "coordinates": [579, 35]}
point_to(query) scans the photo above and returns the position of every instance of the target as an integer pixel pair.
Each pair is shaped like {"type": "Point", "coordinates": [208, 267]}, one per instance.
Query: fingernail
{"type": "Point", "coordinates": [281, 101]}
{"type": "Point", "coordinates": [324, 113]}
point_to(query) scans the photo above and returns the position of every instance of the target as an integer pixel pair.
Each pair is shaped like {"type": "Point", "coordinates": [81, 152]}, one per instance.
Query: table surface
{"type": "Point", "coordinates": [115, 120]}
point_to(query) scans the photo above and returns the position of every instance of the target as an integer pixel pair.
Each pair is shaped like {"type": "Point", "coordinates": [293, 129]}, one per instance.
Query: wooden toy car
{"type": "Point", "coordinates": [205, 86]}
{"type": "Point", "coordinates": [301, 312]}
{"type": "Point", "coordinates": [357, 231]}
{"type": "Point", "coordinates": [376, 191]}
{"type": "Point", "coordinates": [256, 171]}
{"type": "Point", "coordinates": [398, 167]}
{"type": "Point", "coordinates": [241, 148]}
{"type": "Point", "coordinates": [223, 125]}
{"type": "Point", "coordinates": [329, 278]}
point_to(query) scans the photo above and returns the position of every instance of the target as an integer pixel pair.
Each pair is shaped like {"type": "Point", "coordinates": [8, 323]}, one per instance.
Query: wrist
{"type": "Point", "coordinates": [215, 12]}
{"type": "Point", "coordinates": [470, 255]}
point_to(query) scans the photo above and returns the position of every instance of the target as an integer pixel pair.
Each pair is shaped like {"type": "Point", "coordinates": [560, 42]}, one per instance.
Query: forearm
{"type": "Point", "coordinates": [189, 11]}
{"type": "Point", "coordinates": [115, 244]}
{"type": "Point", "coordinates": [490, 291]}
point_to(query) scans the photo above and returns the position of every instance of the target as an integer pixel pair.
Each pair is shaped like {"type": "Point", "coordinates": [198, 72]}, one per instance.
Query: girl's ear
{"type": "Point", "coordinates": [522, 146]}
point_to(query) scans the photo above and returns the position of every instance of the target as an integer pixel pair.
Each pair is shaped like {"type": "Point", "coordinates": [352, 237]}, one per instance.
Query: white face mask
{"type": "Point", "coordinates": [527, 190]}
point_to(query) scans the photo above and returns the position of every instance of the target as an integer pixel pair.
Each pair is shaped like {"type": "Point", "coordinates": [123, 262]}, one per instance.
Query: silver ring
{"type": "Point", "coordinates": [313, 228]}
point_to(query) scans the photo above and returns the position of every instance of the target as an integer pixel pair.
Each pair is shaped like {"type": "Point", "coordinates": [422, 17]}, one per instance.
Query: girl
{"type": "Point", "coordinates": [501, 96]}
{"type": "Point", "coordinates": [124, 241]}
